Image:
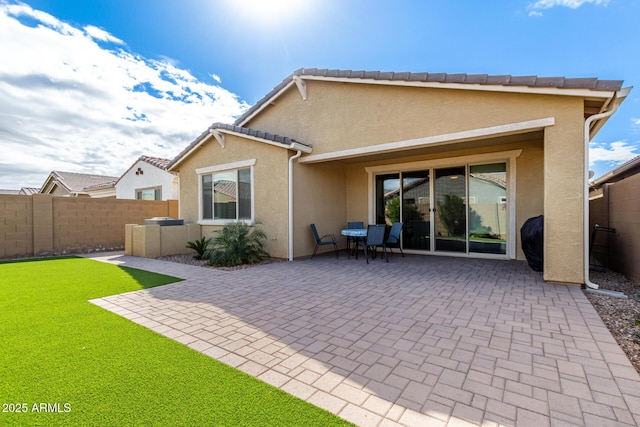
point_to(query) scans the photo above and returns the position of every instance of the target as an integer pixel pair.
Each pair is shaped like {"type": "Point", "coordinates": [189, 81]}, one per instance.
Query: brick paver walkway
{"type": "Point", "coordinates": [420, 341]}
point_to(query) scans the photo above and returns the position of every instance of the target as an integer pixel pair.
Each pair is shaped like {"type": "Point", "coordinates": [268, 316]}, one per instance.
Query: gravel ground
{"type": "Point", "coordinates": [618, 314]}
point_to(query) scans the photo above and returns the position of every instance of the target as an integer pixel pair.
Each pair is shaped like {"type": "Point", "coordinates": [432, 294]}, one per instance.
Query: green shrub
{"type": "Point", "coordinates": [200, 246]}
{"type": "Point", "coordinates": [237, 244]}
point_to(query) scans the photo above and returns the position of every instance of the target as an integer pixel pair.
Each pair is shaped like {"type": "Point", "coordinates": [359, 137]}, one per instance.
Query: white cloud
{"type": "Point", "coordinates": [612, 154]}
{"type": "Point", "coordinates": [70, 104]}
{"type": "Point", "coordinates": [536, 7]}
{"type": "Point", "coordinates": [635, 121]}
{"type": "Point", "coordinates": [100, 34]}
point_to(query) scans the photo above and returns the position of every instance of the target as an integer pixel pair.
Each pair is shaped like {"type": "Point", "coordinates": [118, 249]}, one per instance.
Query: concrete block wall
{"type": "Point", "coordinates": [42, 224]}
{"type": "Point", "coordinates": [16, 225]}
{"type": "Point", "coordinates": [619, 208]}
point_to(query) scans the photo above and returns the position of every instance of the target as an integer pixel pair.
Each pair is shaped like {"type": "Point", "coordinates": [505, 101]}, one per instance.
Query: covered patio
{"type": "Point", "coordinates": [418, 341]}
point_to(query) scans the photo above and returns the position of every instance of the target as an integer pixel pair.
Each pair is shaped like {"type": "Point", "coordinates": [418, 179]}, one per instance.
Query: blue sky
{"type": "Point", "coordinates": [89, 86]}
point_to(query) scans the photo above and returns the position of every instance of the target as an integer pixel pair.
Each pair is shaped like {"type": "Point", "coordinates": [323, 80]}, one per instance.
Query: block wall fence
{"type": "Point", "coordinates": [619, 208]}
{"type": "Point", "coordinates": [41, 224]}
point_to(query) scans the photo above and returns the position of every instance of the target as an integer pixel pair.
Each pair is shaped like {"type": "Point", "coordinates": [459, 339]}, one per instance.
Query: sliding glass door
{"type": "Point", "coordinates": [488, 208]}
{"type": "Point", "coordinates": [450, 217]}
{"type": "Point", "coordinates": [416, 210]}
{"type": "Point", "coordinates": [459, 209]}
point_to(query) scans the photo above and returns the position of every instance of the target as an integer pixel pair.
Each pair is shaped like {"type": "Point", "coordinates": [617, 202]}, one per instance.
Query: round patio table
{"type": "Point", "coordinates": [357, 233]}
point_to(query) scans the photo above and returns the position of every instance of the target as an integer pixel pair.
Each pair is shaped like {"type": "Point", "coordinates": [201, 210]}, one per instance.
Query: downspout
{"type": "Point", "coordinates": [291, 159]}
{"type": "Point", "coordinates": [587, 139]}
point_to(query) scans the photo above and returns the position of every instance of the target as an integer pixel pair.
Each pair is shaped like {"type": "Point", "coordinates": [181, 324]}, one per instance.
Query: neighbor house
{"type": "Point", "coordinates": [148, 179]}
{"type": "Point", "coordinates": [614, 202]}
{"type": "Point", "coordinates": [329, 146]}
{"type": "Point", "coordinates": [71, 184]}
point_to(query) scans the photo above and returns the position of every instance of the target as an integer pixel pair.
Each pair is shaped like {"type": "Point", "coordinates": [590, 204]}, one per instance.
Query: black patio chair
{"type": "Point", "coordinates": [375, 238]}
{"type": "Point", "coordinates": [326, 239]}
{"type": "Point", "coordinates": [393, 240]}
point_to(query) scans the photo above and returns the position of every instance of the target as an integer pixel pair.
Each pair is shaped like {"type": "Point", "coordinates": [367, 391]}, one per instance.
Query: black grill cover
{"type": "Point", "coordinates": [532, 238]}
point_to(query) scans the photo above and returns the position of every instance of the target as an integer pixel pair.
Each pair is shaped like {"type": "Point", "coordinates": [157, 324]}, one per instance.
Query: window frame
{"type": "Point", "coordinates": [155, 189]}
{"type": "Point", "coordinates": [227, 167]}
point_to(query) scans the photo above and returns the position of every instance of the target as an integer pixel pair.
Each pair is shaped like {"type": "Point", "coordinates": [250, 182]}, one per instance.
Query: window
{"type": "Point", "coordinates": [149, 193]}
{"type": "Point", "coordinates": [226, 194]}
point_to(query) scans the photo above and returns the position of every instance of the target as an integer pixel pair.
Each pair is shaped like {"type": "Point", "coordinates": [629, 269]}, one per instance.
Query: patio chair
{"type": "Point", "coordinates": [326, 239]}
{"type": "Point", "coordinates": [375, 238]}
{"type": "Point", "coordinates": [392, 240]}
{"type": "Point", "coordinates": [354, 240]}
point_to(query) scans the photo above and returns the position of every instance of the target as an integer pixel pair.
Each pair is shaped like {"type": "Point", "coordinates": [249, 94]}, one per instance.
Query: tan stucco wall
{"type": "Point", "coordinates": [270, 186]}
{"type": "Point", "coordinates": [339, 116]}
{"type": "Point", "coordinates": [564, 197]}
{"type": "Point", "coordinates": [319, 198]}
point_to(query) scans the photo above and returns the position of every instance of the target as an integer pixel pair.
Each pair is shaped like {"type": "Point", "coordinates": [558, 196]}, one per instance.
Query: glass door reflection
{"type": "Point", "coordinates": [451, 211]}
{"type": "Point", "coordinates": [416, 208]}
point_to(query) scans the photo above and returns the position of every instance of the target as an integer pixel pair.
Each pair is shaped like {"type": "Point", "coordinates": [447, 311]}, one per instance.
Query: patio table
{"type": "Point", "coordinates": [358, 234]}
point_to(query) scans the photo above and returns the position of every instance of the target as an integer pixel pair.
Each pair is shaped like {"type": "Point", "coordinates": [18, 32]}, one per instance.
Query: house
{"type": "Point", "coordinates": [614, 202]}
{"type": "Point", "coordinates": [327, 146]}
{"type": "Point", "coordinates": [147, 179]}
{"type": "Point", "coordinates": [23, 191]}
{"type": "Point", "coordinates": [71, 184]}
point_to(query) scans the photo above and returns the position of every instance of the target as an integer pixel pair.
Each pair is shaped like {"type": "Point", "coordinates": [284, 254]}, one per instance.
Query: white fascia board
{"type": "Point", "coordinates": [432, 141]}
{"type": "Point", "coordinates": [586, 93]}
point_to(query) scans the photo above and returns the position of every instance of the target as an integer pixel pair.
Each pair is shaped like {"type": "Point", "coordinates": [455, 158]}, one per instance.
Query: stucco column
{"type": "Point", "coordinates": [563, 201]}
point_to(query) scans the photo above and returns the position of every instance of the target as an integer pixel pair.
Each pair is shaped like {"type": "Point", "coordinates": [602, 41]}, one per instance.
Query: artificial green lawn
{"type": "Point", "coordinates": [101, 369]}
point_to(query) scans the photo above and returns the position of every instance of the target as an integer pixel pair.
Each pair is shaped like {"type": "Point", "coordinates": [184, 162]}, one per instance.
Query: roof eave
{"type": "Point", "coordinates": [615, 100]}
{"type": "Point", "coordinates": [487, 87]}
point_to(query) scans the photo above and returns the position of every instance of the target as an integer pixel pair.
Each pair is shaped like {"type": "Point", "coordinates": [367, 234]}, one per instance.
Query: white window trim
{"type": "Point", "coordinates": [502, 156]}
{"type": "Point", "coordinates": [157, 187]}
{"type": "Point", "coordinates": [243, 164]}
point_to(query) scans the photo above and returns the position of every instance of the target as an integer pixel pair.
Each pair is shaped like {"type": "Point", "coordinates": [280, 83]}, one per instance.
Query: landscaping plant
{"type": "Point", "coordinates": [237, 244]}
{"type": "Point", "coordinates": [200, 246]}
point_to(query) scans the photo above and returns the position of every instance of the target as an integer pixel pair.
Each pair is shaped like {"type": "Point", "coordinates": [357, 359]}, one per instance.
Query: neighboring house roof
{"type": "Point", "coordinates": [29, 190]}
{"type": "Point", "coordinates": [158, 162]}
{"type": "Point", "coordinates": [22, 191]}
{"type": "Point", "coordinates": [100, 186]}
{"type": "Point", "coordinates": [480, 81]}
{"type": "Point", "coordinates": [498, 179]}
{"type": "Point", "coordinates": [218, 129]}
{"type": "Point", "coordinates": [75, 183]}
{"type": "Point", "coordinates": [623, 171]}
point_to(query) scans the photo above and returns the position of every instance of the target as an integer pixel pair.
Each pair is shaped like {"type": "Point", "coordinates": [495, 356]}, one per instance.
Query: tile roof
{"type": "Point", "coordinates": [29, 190]}
{"type": "Point", "coordinates": [284, 140]}
{"type": "Point", "coordinates": [158, 162]}
{"type": "Point", "coordinates": [591, 83]}
{"type": "Point", "coordinates": [78, 182]}
{"type": "Point", "coordinates": [100, 186]}
{"type": "Point", "coordinates": [257, 134]}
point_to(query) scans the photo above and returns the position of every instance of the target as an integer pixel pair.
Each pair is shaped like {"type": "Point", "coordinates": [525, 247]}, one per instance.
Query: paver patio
{"type": "Point", "coordinates": [420, 341]}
